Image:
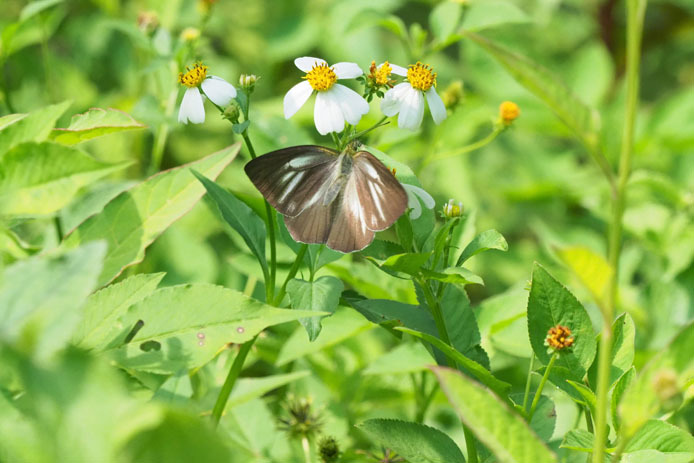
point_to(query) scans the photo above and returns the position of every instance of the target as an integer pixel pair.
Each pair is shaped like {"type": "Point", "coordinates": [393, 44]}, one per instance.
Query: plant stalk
{"type": "Point", "coordinates": [292, 273]}
{"type": "Point", "coordinates": [230, 380]}
{"type": "Point", "coordinates": [538, 392]}
{"type": "Point", "coordinates": [635, 14]}
{"type": "Point", "coordinates": [526, 395]}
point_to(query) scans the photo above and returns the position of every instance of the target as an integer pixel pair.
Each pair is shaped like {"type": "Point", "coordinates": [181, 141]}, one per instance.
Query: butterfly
{"type": "Point", "coordinates": [328, 197]}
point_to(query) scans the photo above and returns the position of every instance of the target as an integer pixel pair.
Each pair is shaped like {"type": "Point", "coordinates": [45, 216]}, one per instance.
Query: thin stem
{"type": "Point", "coordinates": [467, 148]}
{"type": "Point", "coordinates": [538, 393]}
{"type": "Point", "coordinates": [527, 383]}
{"type": "Point", "coordinates": [373, 127]}
{"type": "Point", "coordinates": [589, 419]}
{"type": "Point", "coordinates": [58, 228]}
{"type": "Point", "coordinates": [292, 273]}
{"type": "Point", "coordinates": [230, 380]}
{"type": "Point", "coordinates": [470, 445]}
{"type": "Point", "coordinates": [635, 13]}
{"type": "Point", "coordinates": [307, 449]}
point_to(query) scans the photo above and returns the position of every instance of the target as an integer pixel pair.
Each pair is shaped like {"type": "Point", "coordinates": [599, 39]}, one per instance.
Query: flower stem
{"type": "Point", "coordinates": [292, 273]}
{"type": "Point", "coordinates": [307, 449]}
{"type": "Point", "coordinates": [635, 14]}
{"type": "Point", "coordinates": [230, 380]}
{"type": "Point", "coordinates": [538, 393]}
{"type": "Point", "coordinates": [527, 383]}
{"type": "Point", "coordinates": [467, 148]}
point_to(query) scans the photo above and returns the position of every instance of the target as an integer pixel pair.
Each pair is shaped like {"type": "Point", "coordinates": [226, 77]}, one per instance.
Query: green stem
{"type": "Point", "coordinates": [306, 448]}
{"type": "Point", "coordinates": [635, 13]}
{"type": "Point", "coordinates": [292, 273]}
{"type": "Point", "coordinates": [230, 380]}
{"type": "Point", "coordinates": [468, 148]}
{"type": "Point", "coordinates": [58, 228]}
{"type": "Point", "coordinates": [470, 445]}
{"type": "Point", "coordinates": [538, 393]}
{"type": "Point", "coordinates": [589, 419]}
{"type": "Point", "coordinates": [161, 136]}
{"type": "Point", "coordinates": [527, 383]}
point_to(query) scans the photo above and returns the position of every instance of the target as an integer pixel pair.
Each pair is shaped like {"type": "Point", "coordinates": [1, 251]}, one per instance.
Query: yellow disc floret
{"type": "Point", "coordinates": [193, 77]}
{"type": "Point", "coordinates": [508, 112]}
{"type": "Point", "coordinates": [321, 77]}
{"type": "Point", "coordinates": [559, 337]}
{"type": "Point", "coordinates": [421, 76]}
{"type": "Point", "coordinates": [382, 74]}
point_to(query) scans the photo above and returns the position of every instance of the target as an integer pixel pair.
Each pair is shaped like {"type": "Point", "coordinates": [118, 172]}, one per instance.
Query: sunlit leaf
{"type": "Point", "coordinates": [591, 269]}
{"type": "Point", "coordinates": [492, 13]}
{"type": "Point", "coordinates": [35, 126]}
{"type": "Point", "coordinates": [94, 123]}
{"type": "Point", "coordinates": [490, 239]}
{"type": "Point", "coordinates": [320, 295]}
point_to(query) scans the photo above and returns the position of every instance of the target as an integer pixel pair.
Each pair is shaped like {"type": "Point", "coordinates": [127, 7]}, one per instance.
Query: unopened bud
{"type": "Point", "coordinates": [451, 209]}
{"type": "Point", "coordinates": [232, 111]}
{"type": "Point", "coordinates": [508, 112]}
{"type": "Point", "coordinates": [665, 385]}
{"type": "Point", "coordinates": [247, 81]}
{"type": "Point", "coordinates": [328, 450]}
{"type": "Point", "coordinates": [453, 94]}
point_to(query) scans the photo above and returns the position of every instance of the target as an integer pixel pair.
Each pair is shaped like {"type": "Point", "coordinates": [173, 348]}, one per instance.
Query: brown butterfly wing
{"type": "Point", "coordinates": [313, 224]}
{"type": "Point", "coordinates": [291, 178]}
{"type": "Point", "coordinates": [381, 196]}
{"type": "Point", "coordinates": [349, 231]}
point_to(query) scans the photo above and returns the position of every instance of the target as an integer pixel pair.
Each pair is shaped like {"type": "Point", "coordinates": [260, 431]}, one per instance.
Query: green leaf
{"type": "Point", "coordinates": [579, 440]}
{"type": "Point", "coordinates": [551, 304]}
{"type": "Point", "coordinates": [408, 263]}
{"type": "Point", "coordinates": [41, 178]}
{"type": "Point", "coordinates": [186, 326]}
{"type": "Point", "coordinates": [41, 298]}
{"type": "Point", "coordinates": [36, 7]}
{"type": "Point", "coordinates": [586, 393]}
{"type": "Point", "coordinates": [476, 370]}
{"type": "Point", "coordinates": [492, 13]}
{"type": "Point", "coordinates": [99, 324]}
{"type": "Point", "coordinates": [490, 239]}
{"type": "Point", "coordinates": [623, 335]}
{"type": "Point", "coordinates": [620, 386]}
{"type": "Point", "coordinates": [546, 86]}
{"type": "Point", "coordinates": [94, 123]}
{"type": "Point", "coordinates": [388, 312]}
{"type": "Point", "coordinates": [501, 430]}
{"type": "Point", "coordinates": [242, 218]}
{"type": "Point", "coordinates": [321, 295]}
{"type": "Point", "coordinates": [247, 389]}
{"type": "Point", "coordinates": [35, 126]}
{"type": "Point", "coordinates": [663, 437]}
{"type": "Point", "coordinates": [591, 269]}
{"type": "Point", "coordinates": [131, 221]}
{"type": "Point", "coordinates": [444, 19]}
{"type": "Point", "coordinates": [239, 128]}
{"type": "Point", "coordinates": [91, 201]}
{"type": "Point", "coordinates": [414, 441]}
{"type": "Point", "coordinates": [457, 275]}
{"type": "Point", "coordinates": [344, 324]}
{"type": "Point", "coordinates": [407, 357]}
{"type": "Point", "coordinates": [650, 456]}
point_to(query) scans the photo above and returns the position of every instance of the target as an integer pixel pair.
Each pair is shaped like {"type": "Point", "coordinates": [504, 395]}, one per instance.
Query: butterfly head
{"type": "Point", "coordinates": [353, 147]}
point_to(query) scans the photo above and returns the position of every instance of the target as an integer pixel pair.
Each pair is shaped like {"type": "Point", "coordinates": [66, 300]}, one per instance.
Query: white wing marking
{"type": "Point", "coordinates": [292, 184]}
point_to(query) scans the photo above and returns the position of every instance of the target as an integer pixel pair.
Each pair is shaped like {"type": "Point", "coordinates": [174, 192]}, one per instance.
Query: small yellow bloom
{"type": "Point", "coordinates": [321, 77]}
{"type": "Point", "coordinates": [190, 34]}
{"type": "Point", "coordinates": [508, 112]}
{"type": "Point", "coordinates": [559, 337]}
{"type": "Point", "coordinates": [193, 77]}
{"type": "Point", "coordinates": [421, 76]}
{"type": "Point", "coordinates": [451, 209]}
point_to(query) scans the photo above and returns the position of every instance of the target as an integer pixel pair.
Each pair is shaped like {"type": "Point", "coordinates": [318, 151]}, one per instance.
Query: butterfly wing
{"type": "Point", "coordinates": [349, 231]}
{"type": "Point", "coordinates": [292, 179]}
{"type": "Point", "coordinates": [381, 196]}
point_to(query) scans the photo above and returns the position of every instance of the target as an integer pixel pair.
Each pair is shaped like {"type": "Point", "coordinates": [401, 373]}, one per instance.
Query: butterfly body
{"type": "Point", "coordinates": [339, 199]}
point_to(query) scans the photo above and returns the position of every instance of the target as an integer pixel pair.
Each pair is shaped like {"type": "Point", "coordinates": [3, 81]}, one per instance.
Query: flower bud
{"type": "Point", "coordinates": [508, 112]}
{"type": "Point", "coordinates": [328, 450]}
{"type": "Point", "coordinates": [190, 34]}
{"type": "Point", "coordinates": [453, 94]}
{"type": "Point", "coordinates": [232, 111]}
{"type": "Point", "coordinates": [559, 338]}
{"type": "Point", "coordinates": [667, 390]}
{"type": "Point", "coordinates": [451, 209]}
{"type": "Point", "coordinates": [247, 81]}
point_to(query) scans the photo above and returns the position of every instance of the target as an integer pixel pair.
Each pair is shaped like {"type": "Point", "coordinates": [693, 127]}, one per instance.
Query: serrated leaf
{"type": "Point", "coordinates": [41, 178]}
{"type": "Point", "coordinates": [551, 304]}
{"type": "Point", "coordinates": [242, 218]}
{"type": "Point", "coordinates": [663, 437]}
{"type": "Point", "coordinates": [490, 239]}
{"type": "Point", "coordinates": [476, 370]}
{"type": "Point", "coordinates": [501, 430]}
{"type": "Point", "coordinates": [35, 126]}
{"type": "Point", "coordinates": [41, 298]}
{"type": "Point", "coordinates": [579, 440]}
{"type": "Point", "coordinates": [131, 221]}
{"type": "Point", "coordinates": [492, 13]}
{"type": "Point", "coordinates": [96, 122]}
{"type": "Point", "coordinates": [321, 295]}
{"type": "Point", "coordinates": [457, 275]}
{"type": "Point", "coordinates": [99, 323]}
{"type": "Point", "coordinates": [185, 326]}
{"type": "Point", "coordinates": [591, 269]}
{"type": "Point", "coordinates": [414, 441]}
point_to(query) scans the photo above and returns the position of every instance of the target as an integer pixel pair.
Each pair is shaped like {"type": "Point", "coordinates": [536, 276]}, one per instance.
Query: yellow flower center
{"type": "Point", "coordinates": [382, 74]}
{"type": "Point", "coordinates": [559, 337]}
{"type": "Point", "coordinates": [193, 77]}
{"type": "Point", "coordinates": [321, 77]}
{"type": "Point", "coordinates": [508, 111]}
{"type": "Point", "coordinates": [421, 76]}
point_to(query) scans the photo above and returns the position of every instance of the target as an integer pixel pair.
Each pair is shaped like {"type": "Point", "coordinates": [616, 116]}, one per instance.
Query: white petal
{"type": "Point", "coordinates": [436, 106]}
{"type": "Point", "coordinates": [191, 108]}
{"type": "Point", "coordinates": [296, 97]}
{"type": "Point", "coordinates": [347, 70]}
{"type": "Point", "coordinates": [392, 100]}
{"type": "Point", "coordinates": [411, 110]}
{"type": "Point", "coordinates": [352, 104]}
{"type": "Point", "coordinates": [398, 70]}
{"type": "Point", "coordinates": [306, 63]}
{"type": "Point", "coordinates": [218, 90]}
{"type": "Point", "coordinates": [413, 203]}
{"type": "Point", "coordinates": [327, 114]}
{"type": "Point", "coordinates": [423, 195]}
{"type": "Point", "coordinates": [413, 193]}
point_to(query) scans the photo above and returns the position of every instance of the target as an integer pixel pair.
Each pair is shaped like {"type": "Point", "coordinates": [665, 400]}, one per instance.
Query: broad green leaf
{"type": "Point", "coordinates": [476, 370]}
{"type": "Point", "coordinates": [490, 239]}
{"type": "Point", "coordinates": [100, 324]}
{"type": "Point", "coordinates": [457, 275]}
{"type": "Point", "coordinates": [620, 386]}
{"type": "Point", "coordinates": [501, 430]}
{"type": "Point", "coordinates": [579, 440]}
{"type": "Point", "coordinates": [444, 19]}
{"type": "Point", "coordinates": [245, 427]}
{"type": "Point", "coordinates": [241, 218]}
{"type": "Point", "coordinates": [321, 295]}
{"type": "Point", "coordinates": [41, 178]}
{"type": "Point", "coordinates": [551, 304]}
{"type": "Point", "coordinates": [546, 86]}
{"type": "Point", "coordinates": [414, 441]}
{"type": "Point", "coordinates": [408, 357]}
{"type": "Point", "coordinates": [41, 298]}
{"type": "Point", "coordinates": [409, 263]}
{"type": "Point", "coordinates": [36, 7]}
{"type": "Point", "coordinates": [186, 326]}
{"type": "Point", "coordinates": [344, 324]}
{"type": "Point", "coordinates": [585, 392]}
{"type": "Point", "coordinates": [10, 119]}
{"type": "Point", "coordinates": [623, 336]}
{"type": "Point", "coordinates": [664, 437]}
{"type": "Point", "coordinates": [131, 221]}
{"type": "Point", "coordinates": [387, 312]}
{"type": "Point", "coordinates": [486, 14]}
{"type": "Point", "coordinates": [247, 389]}
{"type": "Point", "coordinates": [441, 239]}
{"type": "Point", "coordinates": [91, 201]}
{"type": "Point", "coordinates": [35, 126]}
{"type": "Point", "coordinates": [591, 269]}
{"type": "Point", "coordinates": [94, 123]}
{"type": "Point", "coordinates": [650, 456]}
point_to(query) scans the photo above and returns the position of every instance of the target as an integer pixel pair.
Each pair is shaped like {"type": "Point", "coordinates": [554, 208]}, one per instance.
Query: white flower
{"type": "Point", "coordinates": [414, 195]}
{"type": "Point", "coordinates": [407, 99]}
{"type": "Point", "coordinates": [218, 90]}
{"type": "Point", "coordinates": [335, 103]}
